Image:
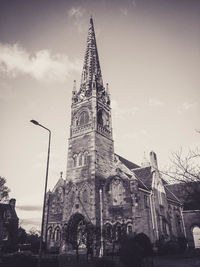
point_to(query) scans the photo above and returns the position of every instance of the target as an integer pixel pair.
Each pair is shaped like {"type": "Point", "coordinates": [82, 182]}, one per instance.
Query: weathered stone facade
{"type": "Point", "coordinates": [101, 188]}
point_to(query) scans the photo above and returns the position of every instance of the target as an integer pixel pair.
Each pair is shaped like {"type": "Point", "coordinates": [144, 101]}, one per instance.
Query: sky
{"type": "Point", "coordinates": [149, 54]}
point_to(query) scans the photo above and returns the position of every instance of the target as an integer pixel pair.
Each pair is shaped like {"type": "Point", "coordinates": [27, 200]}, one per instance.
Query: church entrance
{"type": "Point", "coordinates": [196, 236]}
{"type": "Point", "coordinates": [76, 231]}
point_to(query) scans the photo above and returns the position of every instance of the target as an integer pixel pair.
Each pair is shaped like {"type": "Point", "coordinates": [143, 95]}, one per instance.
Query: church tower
{"type": "Point", "coordinates": [90, 150]}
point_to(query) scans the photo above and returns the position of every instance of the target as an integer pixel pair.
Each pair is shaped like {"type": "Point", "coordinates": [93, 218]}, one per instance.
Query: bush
{"type": "Point", "coordinates": [170, 247]}
{"type": "Point", "coordinates": [105, 263]}
{"type": "Point", "coordinates": [182, 242]}
{"type": "Point", "coordinates": [131, 253]}
{"type": "Point", "coordinates": [19, 259]}
{"type": "Point", "coordinates": [145, 243]}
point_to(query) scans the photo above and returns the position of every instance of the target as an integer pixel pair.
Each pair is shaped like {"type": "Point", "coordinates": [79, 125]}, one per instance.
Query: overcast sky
{"type": "Point", "coordinates": [149, 54]}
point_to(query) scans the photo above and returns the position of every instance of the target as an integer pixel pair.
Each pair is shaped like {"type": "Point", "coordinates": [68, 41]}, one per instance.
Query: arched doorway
{"type": "Point", "coordinates": [76, 231]}
{"type": "Point", "coordinates": [196, 236]}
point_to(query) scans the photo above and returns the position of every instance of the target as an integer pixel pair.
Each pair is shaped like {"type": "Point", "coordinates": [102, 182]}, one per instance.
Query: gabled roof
{"type": "Point", "coordinates": [128, 163]}
{"type": "Point", "coordinates": [171, 195]}
{"type": "Point", "coordinates": [144, 176]}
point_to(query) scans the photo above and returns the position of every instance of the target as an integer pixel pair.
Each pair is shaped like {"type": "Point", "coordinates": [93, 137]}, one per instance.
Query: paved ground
{"type": "Point", "coordinates": [161, 261]}
{"type": "Point", "coordinates": [179, 261]}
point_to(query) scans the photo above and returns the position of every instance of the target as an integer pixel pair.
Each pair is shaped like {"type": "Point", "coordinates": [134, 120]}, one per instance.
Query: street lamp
{"type": "Point", "coordinates": [45, 190]}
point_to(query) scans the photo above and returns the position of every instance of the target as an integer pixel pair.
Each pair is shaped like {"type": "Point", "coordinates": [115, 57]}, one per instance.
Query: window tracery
{"type": "Point", "coordinates": [85, 158]}
{"type": "Point", "coordinates": [83, 118]}
{"type": "Point", "coordinates": [117, 192]}
{"type": "Point", "coordinates": [49, 234]}
{"type": "Point", "coordinates": [75, 160]}
{"type": "Point", "coordinates": [57, 234]}
{"type": "Point", "coordinates": [108, 231]}
{"type": "Point", "coordinates": [80, 159]}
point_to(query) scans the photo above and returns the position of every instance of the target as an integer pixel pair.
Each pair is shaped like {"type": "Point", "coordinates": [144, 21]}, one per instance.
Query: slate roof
{"type": "Point", "coordinates": [188, 193]}
{"type": "Point", "coordinates": [171, 195]}
{"type": "Point", "coordinates": [144, 176]}
{"type": "Point", "coordinates": [128, 163]}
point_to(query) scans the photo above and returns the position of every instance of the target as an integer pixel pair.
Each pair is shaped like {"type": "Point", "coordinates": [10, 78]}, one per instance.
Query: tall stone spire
{"type": "Point", "coordinates": [91, 74]}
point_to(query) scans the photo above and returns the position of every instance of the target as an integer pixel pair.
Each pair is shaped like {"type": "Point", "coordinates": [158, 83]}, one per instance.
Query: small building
{"type": "Point", "coordinates": [189, 195]}
{"type": "Point", "coordinates": [8, 224]}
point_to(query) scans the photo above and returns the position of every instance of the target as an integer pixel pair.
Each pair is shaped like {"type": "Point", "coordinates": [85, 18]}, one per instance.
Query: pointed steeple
{"type": "Point", "coordinates": [91, 74]}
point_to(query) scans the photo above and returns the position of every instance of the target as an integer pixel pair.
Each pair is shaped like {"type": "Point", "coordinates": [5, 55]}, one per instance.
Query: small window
{"type": "Point", "coordinates": [85, 158]}
{"type": "Point", "coordinates": [108, 232]}
{"type": "Point", "coordinates": [85, 196]}
{"type": "Point", "coordinates": [129, 229]}
{"type": "Point", "coordinates": [84, 118]}
{"type": "Point", "coordinates": [75, 160]}
{"type": "Point", "coordinates": [57, 234]}
{"type": "Point", "coordinates": [100, 117]}
{"type": "Point", "coordinates": [80, 160]}
{"type": "Point", "coordinates": [49, 233]}
{"type": "Point", "coordinates": [118, 232]}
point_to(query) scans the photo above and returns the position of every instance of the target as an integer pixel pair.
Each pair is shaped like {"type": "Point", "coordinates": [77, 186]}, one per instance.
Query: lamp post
{"type": "Point", "coordinates": [45, 190]}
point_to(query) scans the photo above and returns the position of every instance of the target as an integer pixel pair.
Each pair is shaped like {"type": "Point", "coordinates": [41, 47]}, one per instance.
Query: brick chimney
{"type": "Point", "coordinates": [153, 160]}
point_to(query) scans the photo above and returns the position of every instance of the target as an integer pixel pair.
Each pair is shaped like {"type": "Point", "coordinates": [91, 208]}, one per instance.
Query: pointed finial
{"type": "Point", "coordinates": [74, 86]}
{"type": "Point", "coordinates": [107, 89]}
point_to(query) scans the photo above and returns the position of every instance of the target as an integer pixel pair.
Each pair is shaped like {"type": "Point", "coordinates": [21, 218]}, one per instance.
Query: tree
{"type": "Point", "coordinates": [185, 167]}
{"type": "Point", "coordinates": [4, 190]}
{"type": "Point", "coordinates": [185, 172]}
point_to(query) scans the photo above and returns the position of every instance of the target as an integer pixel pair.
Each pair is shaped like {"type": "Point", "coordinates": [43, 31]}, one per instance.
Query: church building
{"type": "Point", "coordinates": [104, 196]}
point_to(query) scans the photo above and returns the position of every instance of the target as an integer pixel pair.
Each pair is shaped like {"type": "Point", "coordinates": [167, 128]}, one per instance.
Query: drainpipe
{"type": "Point", "coordinates": [155, 217]}
{"type": "Point", "coordinates": [101, 224]}
{"type": "Point", "coordinates": [183, 223]}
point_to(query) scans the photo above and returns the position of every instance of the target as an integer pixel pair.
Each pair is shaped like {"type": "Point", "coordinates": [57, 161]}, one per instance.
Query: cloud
{"type": "Point", "coordinates": [124, 11]}
{"type": "Point", "coordinates": [153, 102]}
{"type": "Point", "coordinates": [121, 112]}
{"type": "Point", "coordinates": [29, 207]}
{"type": "Point", "coordinates": [77, 14]}
{"type": "Point", "coordinates": [6, 91]}
{"type": "Point", "coordinates": [43, 65]}
{"type": "Point", "coordinates": [186, 107]}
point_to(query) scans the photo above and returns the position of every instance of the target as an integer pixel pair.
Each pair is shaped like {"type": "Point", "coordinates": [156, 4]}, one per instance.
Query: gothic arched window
{"type": "Point", "coordinates": [100, 117]}
{"type": "Point", "coordinates": [49, 233]}
{"type": "Point", "coordinates": [129, 228]}
{"type": "Point", "coordinates": [108, 231]}
{"type": "Point", "coordinates": [80, 159]}
{"type": "Point", "coordinates": [85, 158]}
{"type": "Point", "coordinates": [85, 195]}
{"type": "Point", "coordinates": [57, 234]}
{"type": "Point", "coordinates": [118, 232]}
{"type": "Point", "coordinates": [84, 118]}
{"type": "Point", "coordinates": [117, 192]}
{"type": "Point", "coordinates": [75, 160]}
